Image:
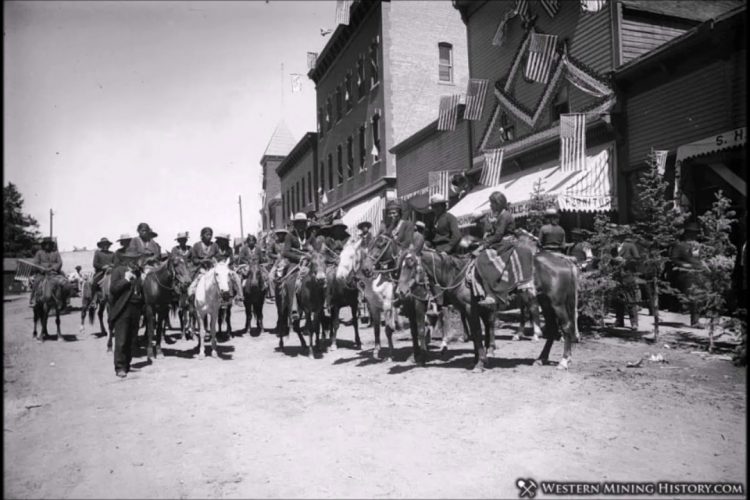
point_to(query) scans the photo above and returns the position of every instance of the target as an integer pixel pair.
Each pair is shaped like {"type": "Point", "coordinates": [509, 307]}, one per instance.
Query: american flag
{"type": "Point", "coordinates": [296, 82]}
{"type": "Point", "coordinates": [448, 112]}
{"type": "Point", "coordinates": [493, 164]}
{"type": "Point", "coordinates": [541, 55]}
{"type": "Point", "coordinates": [552, 7]}
{"type": "Point", "coordinates": [499, 37]}
{"type": "Point", "coordinates": [522, 8]}
{"type": "Point", "coordinates": [660, 156]}
{"type": "Point", "coordinates": [342, 11]}
{"type": "Point", "coordinates": [312, 57]}
{"type": "Point", "coordinates": [592, 5]}
{"type": "Point", "coordinates": [475, 94]}
{"type": "Point", "coordinates": [572, 142]}
{"type": "Point", "coordinates": [439, 182]}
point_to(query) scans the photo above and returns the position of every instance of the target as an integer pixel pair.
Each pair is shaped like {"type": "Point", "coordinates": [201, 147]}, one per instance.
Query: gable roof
{"type": "Point", "coordinates": [696, 10]}
{"type": "Point", "coordinates": [282, 141]}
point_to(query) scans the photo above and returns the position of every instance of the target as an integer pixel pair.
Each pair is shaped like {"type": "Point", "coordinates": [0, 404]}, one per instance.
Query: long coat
{"type": "Point", "coordinates": [447, 235]}
{"type": "Point", "coordinates": [122, 291]}
{"type": "Point", "coordinates": [48, 260]}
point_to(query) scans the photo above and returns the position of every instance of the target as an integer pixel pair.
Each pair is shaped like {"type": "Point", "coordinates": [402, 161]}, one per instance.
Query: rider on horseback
{"type": "Point", "coordinates": [49, 263]}
{"type": "Point", "coordinates": [103, 262]}
{"type": "Point", "coordinates": [446, 235]}
{"type": "Point", "coordinates": [182, 248]}
{"type": "Point", "coordinates": [145, 245]}
{"type": "Point", "coordinates": [223, 252]}
{"type": "Point", "coordinates": [294, 251]}
{"type": "Point", "coordinates": [335, 236]}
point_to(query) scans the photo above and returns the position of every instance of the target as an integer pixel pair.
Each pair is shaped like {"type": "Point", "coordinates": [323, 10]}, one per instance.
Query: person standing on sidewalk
{"type": "Point", "coordinates": [126, 295]}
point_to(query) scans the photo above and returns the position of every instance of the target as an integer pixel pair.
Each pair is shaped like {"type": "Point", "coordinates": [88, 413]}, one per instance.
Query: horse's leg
{"type": "Point", "coordinates": [57, 322]}
{"type": "Point", "coordinates": [228, 318]}
{"type": "Point", "coordinates": [488, 317]}
{"type": "Point", "coordinates": [200, 316]}
{"type": "Point", "coordinates": [475, 326]}
{"type": "Point", "coordinates": [375, 322]}
{"type": "Point", "coordinates": [390, 317]}
{"type": "Point", "coordinates": [258, 306]}
{"type": "Point", "coordinates": [309, 328]}
{"type": "Point", "coordinates": [355, 318]}
{"type": "Point", "coordinates": [149, 332]}
{"type": "Point", "coordinates": [84, 309]}
{"type": "Point", "coordinates": [467, 328]}
{"type": "Point", "coordinates": [568, 331]}
{"type": "Point", "coordinates": [214, 318]}
{"type": "Point", "coordinates": [550, 325]}
{"type": "Point", "coordinates": [162, 321]}
{"type": "Point", "coordinates": [36, 320]}
{"type": "Point", "coordinates": [248, 312]}
{"type": "Point", "coordinates": [334, 319]}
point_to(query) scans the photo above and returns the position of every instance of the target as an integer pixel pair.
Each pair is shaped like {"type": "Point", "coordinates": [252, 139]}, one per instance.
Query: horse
{"type": "Point", "coordinates": [254, 290]}
{"type": "Point", "coordinates": [159, 288]}
{"type": "Point", "coordinates": [51, 292]}
{"type": "Point", "coordinates": [311, 299]}
{"type": "Point", "coordinates": [414, 293]}
{"type": "Point", "coordinates": [211, 290]}
{"type": "Point", "coordinates": [91, 302]}
{"type": "Point", "coordinates": [344, 291]}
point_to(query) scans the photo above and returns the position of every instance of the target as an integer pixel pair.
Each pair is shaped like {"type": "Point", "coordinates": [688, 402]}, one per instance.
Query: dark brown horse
{"type": "Point", "coordinates": [159, 288]}
{"type": "Point", "coordinates": [254, 290]}
{"type": "Point", "coordinates": [51, 293]}
{"type": "Point", "coordinates": [414, 293]}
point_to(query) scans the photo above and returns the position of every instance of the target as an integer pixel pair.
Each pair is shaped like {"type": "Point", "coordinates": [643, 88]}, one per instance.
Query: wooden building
{"type": "Point", "coordinates": [378, 80]}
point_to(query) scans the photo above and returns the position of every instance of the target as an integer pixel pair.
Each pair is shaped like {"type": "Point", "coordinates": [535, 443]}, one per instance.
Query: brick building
{"type": "Point", "coordinates": [378, 80]}
{"type": "Point", "coordinates": [279, 145]}
{"type": "Point", "coordinates": [522, 116]}
{"type": "Point", "coordinates": [298, 177]}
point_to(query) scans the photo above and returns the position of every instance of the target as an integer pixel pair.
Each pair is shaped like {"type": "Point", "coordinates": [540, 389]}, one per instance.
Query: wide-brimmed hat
{"type": "Point", "coordinates": [103, 241]}
{"type": "Point", "coordinates": [300, 217]}
{"type": "Point", "coordinates": [364, 224]}
{"type": "Point", "coordinates": [421, 224]}
{"type": "Point", "coordinates": [551, 211]}
{"type": "Point", "coordinates": [281, 231]}
{"type": "Point", "coordinates": [437, 198]}
{"type": "Point", "coordinates": [337, 223]}
{"type": "Point", "coordinates": [125, 236]}
{"type": "Point", "coordinates": [393, 205]}
{"type": "Point", "coordinates": [222, 236]}
{"type": "Point", "coordinates": [181, 236]}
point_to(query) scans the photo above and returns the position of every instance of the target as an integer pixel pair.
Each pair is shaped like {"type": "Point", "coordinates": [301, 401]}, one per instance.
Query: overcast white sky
{"type": "Point", "coordinates": [122, 112]}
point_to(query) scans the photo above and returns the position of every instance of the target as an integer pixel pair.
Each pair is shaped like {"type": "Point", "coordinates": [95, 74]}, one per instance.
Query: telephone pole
{"type": "Point", "coordinates": [51, 215]}
{"type": "Point", "coordinates": [242, 231]}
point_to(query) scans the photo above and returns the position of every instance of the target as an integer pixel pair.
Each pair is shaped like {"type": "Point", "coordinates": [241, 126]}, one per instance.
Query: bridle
{"type": "Point", "coordinates": [374, 261]}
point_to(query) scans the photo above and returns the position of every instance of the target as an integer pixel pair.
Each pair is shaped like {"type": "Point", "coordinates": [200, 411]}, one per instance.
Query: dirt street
{"type": "Point", "coordinates": [256, 422]}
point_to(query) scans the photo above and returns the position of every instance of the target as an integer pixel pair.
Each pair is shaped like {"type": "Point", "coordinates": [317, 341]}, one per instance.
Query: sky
{"type": "Point", "coordinates": [117, 113]}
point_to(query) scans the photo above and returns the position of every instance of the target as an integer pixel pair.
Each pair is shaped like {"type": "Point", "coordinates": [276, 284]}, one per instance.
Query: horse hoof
{"type": "Point", "coordinates": [491, 353]}
{"type": "Point", "coordinates": [516, 337]}
{"type": "Point", "coordinates": [563, 364]}
{"type": "Point", "coordinates": [539, 362]}
{"type": "Point", "coordinates": [535, 338]}
{"type": "Point", "coordinates": [478, 368]}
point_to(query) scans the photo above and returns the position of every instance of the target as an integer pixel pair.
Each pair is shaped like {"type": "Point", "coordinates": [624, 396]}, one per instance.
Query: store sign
{"type": "Point", "coordinates": [731, 139]}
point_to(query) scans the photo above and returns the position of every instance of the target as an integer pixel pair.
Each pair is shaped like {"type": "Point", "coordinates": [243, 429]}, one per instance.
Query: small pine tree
{"type": "Point", "coordinates": [657, 228]}
{"type": "Point", "coordinates": [595, 287]}
{"type": "Point", "coordinates": [537, 205]}
{"type": "Point", "coordinates": [717, 253]}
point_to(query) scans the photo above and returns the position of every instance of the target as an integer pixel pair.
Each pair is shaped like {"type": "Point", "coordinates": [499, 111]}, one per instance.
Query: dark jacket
{"type": "Point", "coordinates": [248, 255]}
{"type": "Point", "coordinates": [502, 226]}
{"type": "Point", "coordinates": [123, 291]}
{"type": "Point", "coordinates": [199, 252]}
{"type": "Point", "coordinates": [447, 235]}
{"type": "Point", "coordinates": [150, 247]}
{"type": "Point", "coordinates": [103, 258]}
{"type": "Point", "coordinates": [293, 245]}
{"type": "Point", "coordinates": [402, 232]}
{"type": "Point", "coordinates": [682, 255]}
{"type": "Point", "coordinates": [48, 260]}
{"type": "Point", "coordinates": [551, 236]}
{"type": "Point", "coordinates": [628, 251]}
{"type": "Point", "coordinates": [186, 253]}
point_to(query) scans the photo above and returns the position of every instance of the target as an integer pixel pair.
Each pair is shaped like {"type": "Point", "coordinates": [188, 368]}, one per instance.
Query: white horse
{"type": "Point", "coordinates": [212, 289]}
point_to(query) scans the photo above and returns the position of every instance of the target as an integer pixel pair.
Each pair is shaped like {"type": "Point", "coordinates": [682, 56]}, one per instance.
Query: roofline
{"type": "Point", "coordinates": [674, 47]}
{"type": "Point", "coordinates": [299, 149]}
{"type": "Point", "coordinates": [424, 133]}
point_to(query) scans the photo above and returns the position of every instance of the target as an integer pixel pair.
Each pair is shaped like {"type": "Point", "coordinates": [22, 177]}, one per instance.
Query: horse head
{"type": "Point", "coordinates": [411, 275]}
{"type": "Point", "coordinates": [528, 240]}
{"type": "Point", "coordinates": [349, 259]}
{"type": "Point", "coordinates": [383, 249]}
{"type": "Point", "coordinates": [254, 275]}
{"type": "Point", "coordinates": [178, 269]}
{"type": "Point", "coordinates": [221, 275]}
{"type": "Point", "coordinates": [317, 263]}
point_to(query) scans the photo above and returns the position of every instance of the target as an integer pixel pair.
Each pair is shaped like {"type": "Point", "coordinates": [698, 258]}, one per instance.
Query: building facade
{"type": "Point", "coordinates": [279, 145]}
{"type": "Point", "coordinates": [298, 178]}
{"type": "Point", "coordinates": [379, 80]}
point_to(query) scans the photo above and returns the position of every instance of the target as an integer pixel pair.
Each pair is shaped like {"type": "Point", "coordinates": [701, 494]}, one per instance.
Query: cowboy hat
{"type": "Point", "coordinates": [437, 198]}
{"type": "Point", "coordinates": [125, 237]}
{"type": "Point", "coordinates": [421, 224]}
{"type": "Point", "coordinates": [300, 217]}
{"type": "Point", "coordinates": [337, 223]}
{"type": "Point", "coordinates": [364, 224]}
{"type": "Point", "coordinates": [393, 205]}
{"type": "Point", "coordinates": [281, 231]}
{"type": "Point", "coordinates": [103, 241]}
{"type": "Point", "coordinates": [182, 236]}
{"type": "Point", "coordinates": [551, 211]}
{"type": "Point", "coordinates": [222, 236]}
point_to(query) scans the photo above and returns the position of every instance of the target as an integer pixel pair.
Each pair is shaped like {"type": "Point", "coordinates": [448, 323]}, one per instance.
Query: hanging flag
{"type": "Point", "coordinates": [499, 37]}
{"type": "Point", "coordinates": [342, 11]}
{"type": "Point", "coordinates": [522, 8]}
{"type": "Point", "coordinates": [475, 94]}
{"type": "Point", "coordinates": [439, 182]}
{"type": "Point", "coordinates": [572, 142]}
{"type": "Point", "coordinates": [448, 112]}
{"type": "Point", "coordinates": [541, 56]}
{"type": "Point", "coordinates": [592, 5]}
{"type": "Point", "coordinates": [493, 164]}
{"type": "Point", "coordinates": [325, 32]}
{"type": "Point", "coordinates": [322, 195]}
{"type": "Point", "coordinates": [552, 7]}
{"type": "Point", "coordinates": [660, 156]}
{"type": "Point", "coordinates": [296, 82]}
{"type": "Point", "coordinates": [312, 58]}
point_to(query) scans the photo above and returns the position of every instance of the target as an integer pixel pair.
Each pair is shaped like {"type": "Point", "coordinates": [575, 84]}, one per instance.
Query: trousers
{"type": "Point", "coordinates": [126, 334]}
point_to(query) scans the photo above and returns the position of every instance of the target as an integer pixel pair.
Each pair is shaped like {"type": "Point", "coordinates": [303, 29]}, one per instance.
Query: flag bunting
{"type": "Point", "coordinates": [660, 155]}
{"type": "Point", "coordinates": [541, 55]}
{"type": "Point", "coordinates": [475, 95]}
{"type": "Point", "coordinates": [552, 7]}
{"type": "Point", "coordinates": [491, 171]}
{"type": "Point", "coordinates": [448, 112]}
{"type": "Point", "coordinates": [572, 142]}
{"type": "Point", "coordinates": [439, 182]}
{"type": "Point", "coordinates": [342, 11]}
{"type": "Point", "coordinates": [312, 58]}
{"type": "Point", "coordinates": [296, 82]}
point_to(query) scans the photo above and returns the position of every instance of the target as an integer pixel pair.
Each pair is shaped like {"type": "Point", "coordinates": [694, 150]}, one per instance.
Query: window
{"type": "Point", "coordinates": [298, 197]}
{"type": "Point", "coordinates": [302, 193]}
{"type": "Point", "coordinates": [348, 91]}
{"type": "Point", "coordinates": [339, 104]}
{"type": "Point", "coordinates": [349, 158]}
{"type": "Point", "coordinates": [445, 63]}
{"type": "Point", "coordinates": [322, 176]}
{"type": "Point", "coordinates": [330, 172]}
{"type": "Point", "coordinates": [329, 114]}
{"type": "Point", "coordinates": [320, 120]}
{"type": "Point", "coordinates": [374, 73]}
{"type": "Point", "coordinates": [507, 130]}
{"type": "Point", "coordinates": [360, 77]}
{"type": "Point", "coordinates": [339, 164]}
{"type": "Point", "coordinates": [561, 104]}
{"type": "Point", "coordinates": [362, 152]}
{"type": "Point", "coordinates": [309, 187]}
{"type": "Point", "coordinates": [283, 206]}
{"type": "Point", "coordinates": [375, 137]}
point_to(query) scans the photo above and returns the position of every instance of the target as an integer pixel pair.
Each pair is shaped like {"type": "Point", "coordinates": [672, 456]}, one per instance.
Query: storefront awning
{"type": "Point", "coordinates": [370, 210]}
{"type": "Point", "coordinates": [720, 142]}
{"type": "Point", "coordinates": [588, 190]}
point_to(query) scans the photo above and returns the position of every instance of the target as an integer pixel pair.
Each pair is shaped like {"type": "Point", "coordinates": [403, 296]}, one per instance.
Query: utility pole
{"type": "Point", "coordinates": [51, 214]}
{"type": "Point", "coordinates": [242, 231]}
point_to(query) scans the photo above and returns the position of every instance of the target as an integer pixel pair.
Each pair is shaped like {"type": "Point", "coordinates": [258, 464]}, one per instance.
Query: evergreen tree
{"type": "Point", "coordinates": [718, 256]}
{"type": "Point", "coordinates": [595, 287]}
{"type": "Point", "coordinates": [537, 204]}
{"type": "Point", "coordinates": [20, 231]}
{"type": "Point", "coordinates": [657, 228]}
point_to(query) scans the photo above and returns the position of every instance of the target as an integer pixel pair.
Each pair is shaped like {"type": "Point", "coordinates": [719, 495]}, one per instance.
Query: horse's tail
{"type": "Point", "coordinates": [572, 302]}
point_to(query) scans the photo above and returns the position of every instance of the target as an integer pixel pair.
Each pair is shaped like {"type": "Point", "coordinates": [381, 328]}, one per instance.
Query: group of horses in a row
{"type": "Point", "coordinates": [391, 280]}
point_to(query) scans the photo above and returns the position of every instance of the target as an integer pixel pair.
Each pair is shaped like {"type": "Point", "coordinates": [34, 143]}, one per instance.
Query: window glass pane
{"type": "Point", "coordinates": [445, 54]}
{"type": "Point", "coordinates": [444, 73]}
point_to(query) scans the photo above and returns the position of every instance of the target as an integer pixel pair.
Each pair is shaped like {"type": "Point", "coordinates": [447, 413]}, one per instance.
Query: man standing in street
{"type": "Point", "coordinates": [126, 305]}
{"type": "Point", "coordinates": [551, 234]}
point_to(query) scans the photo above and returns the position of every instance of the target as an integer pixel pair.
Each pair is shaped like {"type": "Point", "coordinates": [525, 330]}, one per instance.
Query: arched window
{"type": "Point", "coordinates": [445, 62]}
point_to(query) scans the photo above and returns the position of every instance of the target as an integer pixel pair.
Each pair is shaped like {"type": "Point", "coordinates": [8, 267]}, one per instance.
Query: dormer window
{"type": "Point", "coordinates": [445, 62]}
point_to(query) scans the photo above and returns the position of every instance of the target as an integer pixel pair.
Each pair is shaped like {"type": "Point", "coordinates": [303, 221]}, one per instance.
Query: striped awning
{"type": "Point", "coordinates": [370, 210]}
{"type": "Point", "coordinates": [720, 142]}
{"type": "Point", "coordinates": [588, 190]}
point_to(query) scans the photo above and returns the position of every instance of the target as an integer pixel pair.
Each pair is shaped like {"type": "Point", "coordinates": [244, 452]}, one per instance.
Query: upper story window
{"type": "Point", "coordinates": [322, 176]}
{"type": "Point", "coordinates": [360, 77]}
{"type": "Point", "coordinates": [302, 201]}
{"type": "Point", "coordinates": [445, 62]}
{"type": "Point", "coordinates": [320, 120]}
{"type": "Point", "coordinates": [349, 157]}
{"type": "Point", "coordinates": [309, 187]}
{"type": "Point", "coordinates": [375, 138]}
{"type": "Point", "coordinates": [561, 104]}
{"type": "Point", "coordinates": [330, 171]}
{"type": "Point", "coordinates": [348, 91]}
{"type": "Point", "coordinates": [339, 104]}
{"type": "Point", "coordinates": [340, 164]}
{"type": "Point", "coordinates": [362, 151]}
{"type": "Point", "coordinates": [374, 68]}
{"type": "Point", "coordinates": [329, 114]}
